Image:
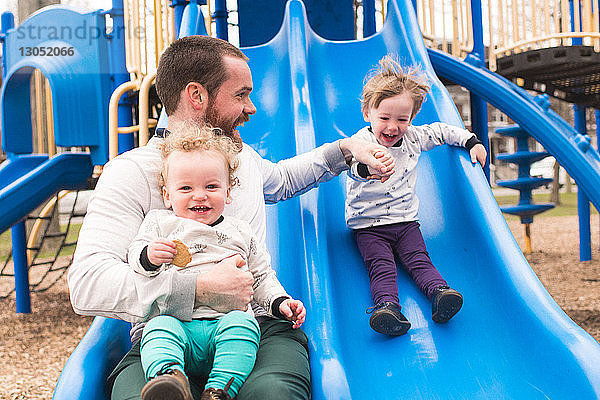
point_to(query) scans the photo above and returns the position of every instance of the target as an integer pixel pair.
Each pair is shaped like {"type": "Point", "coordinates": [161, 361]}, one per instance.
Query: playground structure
{"type": "Point", "coordinates": [539, 352]}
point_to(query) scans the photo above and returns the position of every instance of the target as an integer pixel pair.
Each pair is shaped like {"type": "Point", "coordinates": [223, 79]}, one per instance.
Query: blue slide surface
{"type": "Point", "coordinates": [27, 181]}
{"type": "Point", "coordinates": [510, 340]}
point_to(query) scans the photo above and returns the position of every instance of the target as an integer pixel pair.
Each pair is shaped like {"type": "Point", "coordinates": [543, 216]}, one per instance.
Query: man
{"type": "Point", "coordinates": [204, 80]}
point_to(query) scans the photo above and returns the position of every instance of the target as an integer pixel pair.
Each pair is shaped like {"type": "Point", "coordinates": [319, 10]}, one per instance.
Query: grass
{"type": "Point", "coordinates": [568, 204]}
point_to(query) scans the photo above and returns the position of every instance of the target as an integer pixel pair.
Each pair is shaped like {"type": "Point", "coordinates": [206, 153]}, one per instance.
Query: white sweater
{"type": "Point", "coordinates": [372, 203]}
{"type": "Point", "coordinates": [209, 245]}
{"type": "Point", "coordinates": [102, 283]}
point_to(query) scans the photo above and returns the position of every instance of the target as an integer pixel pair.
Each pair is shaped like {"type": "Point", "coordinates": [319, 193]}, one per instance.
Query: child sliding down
{"type": "Point", "coordinates": [383, 214]}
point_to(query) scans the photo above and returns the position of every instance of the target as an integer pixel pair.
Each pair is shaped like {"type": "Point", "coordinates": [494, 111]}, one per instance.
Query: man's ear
{"type": "Point", "coordinates": [166, 197]}
{"type": "Point", "coordinates": [196, 95]}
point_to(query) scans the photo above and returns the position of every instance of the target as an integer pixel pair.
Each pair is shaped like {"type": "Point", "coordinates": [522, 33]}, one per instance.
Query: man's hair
{"type": "Point", "coordinates": [389, 79]}
{"type": "Point", "coordinates": [192, 59]}
{"type": "Point", "coordinates": [193, 137]}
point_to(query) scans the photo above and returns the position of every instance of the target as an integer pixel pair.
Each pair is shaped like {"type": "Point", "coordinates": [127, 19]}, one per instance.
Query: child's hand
{"type": "Point", "coordinates": [161, 251]}
{"type": "Point", "coordinates": [478, 154]}
{"type": "Point", "coordinates": [388, 162]}
{"type": "Point", "coordinates": [294, 311]}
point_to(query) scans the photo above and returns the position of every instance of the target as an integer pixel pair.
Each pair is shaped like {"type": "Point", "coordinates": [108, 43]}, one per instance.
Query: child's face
{"type": "Point", "coordinates": [197, 185]}
{"type": "Point", "coordinates": [391, 119]}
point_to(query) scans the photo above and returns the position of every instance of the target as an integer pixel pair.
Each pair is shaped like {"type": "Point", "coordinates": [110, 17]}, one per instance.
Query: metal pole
{"type": "Point", "coordinates": [220, 17]}
{"type": "Point", "coordinates": [19, 253]}
{"type": "Point", "coordinates": [597, 141]}
{"type": "Point", "coordinates": [369, 18]}
{"type": "Point", "coordinates": [479, 117]}
{"type": "Point", "coordinates": [583, 202]}
{"type": "Point", "coordinates": [575, 41]}
{"type": "Point", "coordinates": [120, 73]}
{"type": "Point", "coordinates": [18, 231]}
{"type": "Point", "coordinates": [178, 7]}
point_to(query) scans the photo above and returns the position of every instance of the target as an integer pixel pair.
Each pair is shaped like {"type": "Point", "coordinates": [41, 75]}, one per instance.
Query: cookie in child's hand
{"type": "Point", "coordinates": [183, 255]}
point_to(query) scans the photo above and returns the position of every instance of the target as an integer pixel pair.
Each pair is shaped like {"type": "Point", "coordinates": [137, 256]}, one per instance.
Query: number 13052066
{"type": "Point", "coordinates": [47, 51]}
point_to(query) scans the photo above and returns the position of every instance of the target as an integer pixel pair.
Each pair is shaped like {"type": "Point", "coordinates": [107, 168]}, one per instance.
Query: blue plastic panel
{"type": "Point", "coordinates": [27, 185]}
{"type": "Point", "coordinates": [71, 50]}
{"type": "Point", "coordinates": [260, 20]}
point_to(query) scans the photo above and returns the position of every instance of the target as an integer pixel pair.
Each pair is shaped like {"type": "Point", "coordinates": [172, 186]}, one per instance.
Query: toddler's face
{"type": "Point", "coordinates": [197, 185]}
{"type": "Point", "coordinates": [391, 119]}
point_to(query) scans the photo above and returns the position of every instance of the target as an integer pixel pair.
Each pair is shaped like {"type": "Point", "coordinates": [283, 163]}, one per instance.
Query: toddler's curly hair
{"type": "Point", "coordinates": [191, 137]}
{"type": "Point", "coordinates": [390, 79]}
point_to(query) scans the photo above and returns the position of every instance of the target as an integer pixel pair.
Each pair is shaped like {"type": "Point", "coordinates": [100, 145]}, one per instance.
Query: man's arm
{"type": "Point", "coordinates": [296, 175]}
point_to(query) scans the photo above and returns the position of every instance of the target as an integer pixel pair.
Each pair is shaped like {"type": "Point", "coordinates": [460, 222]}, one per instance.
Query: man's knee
{"type": "Point", "coordinates": [266, 388]}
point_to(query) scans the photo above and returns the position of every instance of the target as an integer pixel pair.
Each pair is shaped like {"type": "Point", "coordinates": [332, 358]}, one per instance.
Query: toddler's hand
{"type": "Point", "coordinates": [294, 311]}
{"type": "Point", "coordinates": [388, 162]}
{"type": "Point", "coordinates": [161, 251]}
{"type": "Point", "coordinates": [478, 153]}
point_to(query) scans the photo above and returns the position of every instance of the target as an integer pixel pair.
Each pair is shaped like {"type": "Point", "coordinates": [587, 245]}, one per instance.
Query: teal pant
{"type": "Point", "coordinates": [221, 349]}
{"type": "Point", "coordinates": [281, 371]}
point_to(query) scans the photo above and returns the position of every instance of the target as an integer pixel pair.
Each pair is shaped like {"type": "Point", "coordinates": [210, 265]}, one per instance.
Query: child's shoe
{"type": "Point", "coordinates": [445, 303]}
{"type": "Point", "coordinates": [217, 394]}
{"type": "Point", "coordinates": [169, 385]}
{"type": "Point", "coordinates": [386, 318]}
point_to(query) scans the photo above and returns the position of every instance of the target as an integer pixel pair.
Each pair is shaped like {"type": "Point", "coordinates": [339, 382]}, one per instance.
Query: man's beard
{"type": "Point", "coordinates": [227, 128]}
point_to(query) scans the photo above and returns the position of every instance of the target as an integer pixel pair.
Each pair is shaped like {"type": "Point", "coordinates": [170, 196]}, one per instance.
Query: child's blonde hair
{"type": "Point", "coordinates": [389, 79]}
{"type": "Point", "coordinates": [191, 137]}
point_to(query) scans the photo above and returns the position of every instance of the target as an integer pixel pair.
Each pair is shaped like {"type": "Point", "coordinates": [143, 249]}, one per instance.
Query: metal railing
{"type": "Point", "coordinates": [511, 26]}
{"type": "Point", "coordinates": [521, 25]}
{"type": "Point", "coordinates": [150, 28]}
{"type": "Point", "coordinates": [446, 25]}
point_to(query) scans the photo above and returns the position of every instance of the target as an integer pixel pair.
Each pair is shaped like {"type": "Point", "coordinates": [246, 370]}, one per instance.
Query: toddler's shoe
{"type": "Point", "coordinates": [386, 318]}
{"type": "Point", "coordinates": [217, 394]}
{"type": "Point", "coordinates": [445, 303]}
{"type": "Point", "coordinates": [169, 385]}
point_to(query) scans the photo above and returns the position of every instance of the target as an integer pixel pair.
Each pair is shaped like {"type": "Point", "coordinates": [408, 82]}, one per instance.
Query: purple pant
{"type": "Point", "coordinates": [378, 244]}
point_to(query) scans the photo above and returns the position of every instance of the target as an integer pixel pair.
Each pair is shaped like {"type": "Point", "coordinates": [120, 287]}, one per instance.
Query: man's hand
{"type": "Point", "coordinates": [294, 311]}
{"type": "Point", "coordinates": [225, 287]}
{"type": "Point", "coordinates": [161, 251]}
{"type": "Point", "coordinates": [377, 157]}
{"type": "Point", "coordinates": [478, 154]}
{"type": "Point", "coordinates": [387, 159]}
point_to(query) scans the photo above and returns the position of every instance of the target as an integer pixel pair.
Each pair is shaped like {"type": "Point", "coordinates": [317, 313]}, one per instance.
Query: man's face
{"type": "Point", "coordinates": [231, 106]}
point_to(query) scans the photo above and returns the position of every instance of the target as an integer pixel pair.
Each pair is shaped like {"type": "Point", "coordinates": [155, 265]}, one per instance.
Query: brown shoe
{"type": "Point", "coordinates": [217, 394]}
{"type": "Point", "coordinates": [170, 385]}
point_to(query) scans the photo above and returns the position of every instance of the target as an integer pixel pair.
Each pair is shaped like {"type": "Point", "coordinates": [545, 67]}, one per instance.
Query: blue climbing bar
{"type": "Point", "coordinates": [479, 116]}
{"type": "Point", "coordinates": [583, 202]}
{"type": "Point", "coordinates": [21, 267]}
{"type": "Point", "coordinates": [369, 27]}
{"type": "Point", "coordinates": [220, 18]}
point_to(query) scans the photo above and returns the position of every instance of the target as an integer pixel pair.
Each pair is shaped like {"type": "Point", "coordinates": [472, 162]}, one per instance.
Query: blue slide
{"type": "Point", "coordinates": [27, 181]}
{"type": "Point", "coordinates": [510, 340]}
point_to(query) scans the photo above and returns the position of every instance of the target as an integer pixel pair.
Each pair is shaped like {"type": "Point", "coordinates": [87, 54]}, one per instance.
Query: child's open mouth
{"type": "Point", "coordinates": [200, 209]}
{"type": "Point", "coordinates": [389, 137]}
